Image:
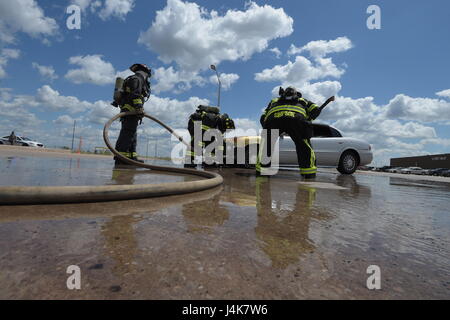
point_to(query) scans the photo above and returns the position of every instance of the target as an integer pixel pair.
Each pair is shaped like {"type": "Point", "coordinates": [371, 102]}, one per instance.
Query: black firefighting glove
{"type": "Point", "coordinates": [140, 114]}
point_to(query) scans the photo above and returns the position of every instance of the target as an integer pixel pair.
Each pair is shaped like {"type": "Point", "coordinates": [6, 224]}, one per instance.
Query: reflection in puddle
{"type": "Point", "coordinates": [284, 214]}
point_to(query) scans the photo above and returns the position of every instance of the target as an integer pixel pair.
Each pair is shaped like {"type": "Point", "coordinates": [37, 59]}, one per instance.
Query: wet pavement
{"type": "Point", "coordinates": [252, 238]}
{"type": "Point", "coordinates": [78, 171]}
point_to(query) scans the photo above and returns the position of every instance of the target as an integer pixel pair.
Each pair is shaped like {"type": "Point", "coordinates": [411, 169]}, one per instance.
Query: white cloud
{"type": "Point", "coordinates": [444, 93]}
{"type": "Point", "coordinates": [300, 72]}
{"type": "Point", "coordinates": [6, 55]}
{"type": "Point", "coordinates": [226, 80]}
{"type": "Point", "coordinates": [321, 48]}
{"type": "Point", "coordinates": [47, 72]}
{"type": "Point", "coordinates": [194, 38]}
{"type": "Point", "coordinates": [24, 16]}
{"type": "Point", "coordinates": [108, 8]}
{"type": "Point", "coordinates": [100, 112]}
{"type": "Point", "coordinates": [116, 8]}
{"type": "Point", "coordinates": [173, 111]}
{"type": "Point", "coordinates": [50, 99]}
{"type": "Point", "coordinates": [276, 51]}
{"type": "Point", "coordinates": [83, 4]}
{"type": "Point", "coordinates": [168, 79]}
{"type": "Point", "coordinates": [65, 120]}
{"type": "Point", "coordinates": [420, 109]}
{"type": "Point", "coordinates": [93, 69]}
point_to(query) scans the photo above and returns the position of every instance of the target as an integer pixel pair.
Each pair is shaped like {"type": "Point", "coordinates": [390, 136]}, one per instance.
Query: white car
{"type": "Point", "coordinates": [395, 170]}
{"type": "Point", "coordinates": [414, 170]}
{"type": "Point", "coordinates": [330, 147]}
{"type": "Point", "coordinates": [22, 141]}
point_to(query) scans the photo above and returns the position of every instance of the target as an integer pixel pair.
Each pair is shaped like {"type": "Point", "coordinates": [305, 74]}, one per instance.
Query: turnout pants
{"type": "Point", "coordinates": [198, 146]}
{"type": "Point", "coordinates": [126, 143]}
{"type": "Point", "coordinates": [300, 132]}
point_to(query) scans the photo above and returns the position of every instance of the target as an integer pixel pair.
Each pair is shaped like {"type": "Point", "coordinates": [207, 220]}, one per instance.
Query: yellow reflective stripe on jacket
{"type": "Point", "coordinates": [312, 107]}
{"type": "Point", "coordinates": [204, 127]}
{"type": "Point", "coordinates": [128, 107]}
{"type": "Point", "coordinates": [286, 108]}
{"type": "Point", "coordinates": [284, 114]}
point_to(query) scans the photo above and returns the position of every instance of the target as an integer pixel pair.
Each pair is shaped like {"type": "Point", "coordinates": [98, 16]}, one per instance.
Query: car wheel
{"type": "Point", "coordinates": [25, 145]}
{"type": "Point", "coordinates": [348, 162]}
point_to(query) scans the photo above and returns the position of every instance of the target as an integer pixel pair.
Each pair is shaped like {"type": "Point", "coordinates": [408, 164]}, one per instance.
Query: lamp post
{"type": "Point", "coordinates": [213, 67]}
{"type": "Point", "coordinates": [73, 133]}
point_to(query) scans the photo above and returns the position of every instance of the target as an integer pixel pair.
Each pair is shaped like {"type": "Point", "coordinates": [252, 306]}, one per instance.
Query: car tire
{"type": "Point", "coordinates": [25, 145]}
{"type": "Point", "coordinates": [348, 162]}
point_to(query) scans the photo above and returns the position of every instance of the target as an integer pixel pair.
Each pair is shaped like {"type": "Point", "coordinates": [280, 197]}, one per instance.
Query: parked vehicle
{"type": "Point", "coordinates": [330, 147]}
{"type": "Point", "coordinates": [414, 170]}
{"type": "Point", "coordinates": [445, 173]}
{"type": "Point", "coordinates": [395, 170]}
{"type": "Point", "coordinates": [437, 171]}
{"type": "Point", "coordinates": [21, 141]}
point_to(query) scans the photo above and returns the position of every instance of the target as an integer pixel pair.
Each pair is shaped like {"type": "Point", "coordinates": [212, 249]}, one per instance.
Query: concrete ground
{"type": "Point", "coordinates": [251, 238]}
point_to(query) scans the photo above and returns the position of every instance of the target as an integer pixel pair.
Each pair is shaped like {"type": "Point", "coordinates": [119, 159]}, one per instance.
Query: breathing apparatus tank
{"type": "Point", "coordinates": [118, 92]}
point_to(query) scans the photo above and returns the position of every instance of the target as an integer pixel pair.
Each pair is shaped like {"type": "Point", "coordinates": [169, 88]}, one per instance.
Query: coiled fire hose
{"type": "Point", "coordinates": [74, 194]}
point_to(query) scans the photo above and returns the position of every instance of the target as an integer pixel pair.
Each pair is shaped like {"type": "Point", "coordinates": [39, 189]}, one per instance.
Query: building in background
{"type": "Point", "coordinates": [426, 162]}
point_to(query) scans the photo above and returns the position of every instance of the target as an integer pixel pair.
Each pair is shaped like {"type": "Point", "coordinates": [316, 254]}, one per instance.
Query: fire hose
{"type": "Point", "coordinates": [13, 195]}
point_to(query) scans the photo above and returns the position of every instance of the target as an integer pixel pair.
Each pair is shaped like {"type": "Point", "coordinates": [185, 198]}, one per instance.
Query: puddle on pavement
{"type": "Point", "coordinates": [44, 171]}
{"type": "Point", "coordinates": [252, 238]}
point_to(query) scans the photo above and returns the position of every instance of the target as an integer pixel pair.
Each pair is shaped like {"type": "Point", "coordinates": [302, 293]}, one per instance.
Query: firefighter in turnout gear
{"type": "Point", "coordinates": [290, 114]}
{"type": "Point", "coordinates": [210, 119]}
{"type": "Point", "coordinates": [136, 91]}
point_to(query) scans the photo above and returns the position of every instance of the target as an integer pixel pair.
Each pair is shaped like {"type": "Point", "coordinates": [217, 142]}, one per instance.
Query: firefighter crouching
{"type": "Point", "coordinates": [134, 92]}
{"type": "Point", "coordinates": [290, 114]}
{"type": "Point", "coordinates": [210, 118]}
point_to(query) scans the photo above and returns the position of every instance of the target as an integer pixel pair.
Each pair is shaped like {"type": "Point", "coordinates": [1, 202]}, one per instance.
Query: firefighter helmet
{"type": "Point", "coordinates": [141, 67]}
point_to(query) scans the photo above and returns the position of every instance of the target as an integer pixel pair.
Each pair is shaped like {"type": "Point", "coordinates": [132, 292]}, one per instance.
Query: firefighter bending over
{"type": "Point", "coordinates": [210, 118]}
{"type": "Point", "coordinates": [290, 114]}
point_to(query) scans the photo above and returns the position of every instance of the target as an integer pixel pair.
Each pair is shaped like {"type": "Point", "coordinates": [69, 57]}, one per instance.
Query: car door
{"type": "Point", "coordinates": [326, 142]}
{"type": "Point", "coordinates": [327, 150]}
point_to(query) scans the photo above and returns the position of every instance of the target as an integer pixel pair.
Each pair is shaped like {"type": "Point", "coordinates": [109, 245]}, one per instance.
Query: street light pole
{"type": "Point", "coordinates": [213, 67]}
{"type": "Point", "coordinates": [73, 133]}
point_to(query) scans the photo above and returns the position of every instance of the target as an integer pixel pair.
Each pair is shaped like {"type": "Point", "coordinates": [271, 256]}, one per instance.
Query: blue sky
{"type": "Point", "coordinates": [385, 80]}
